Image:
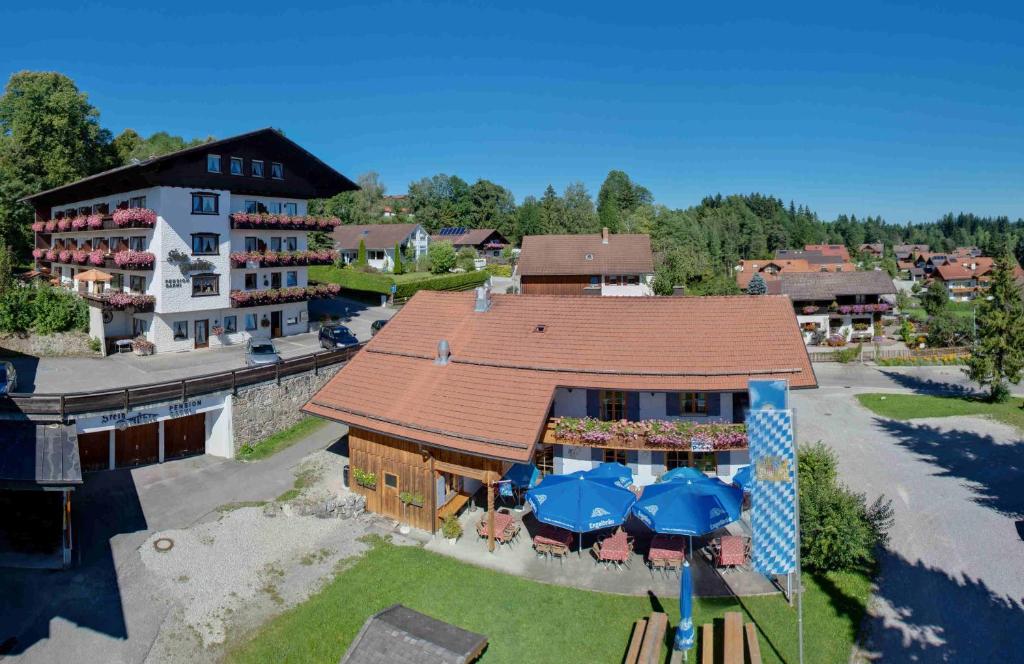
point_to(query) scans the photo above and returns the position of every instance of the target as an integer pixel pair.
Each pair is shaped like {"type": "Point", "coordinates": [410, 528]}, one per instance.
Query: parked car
{"type": "Point", "coordinates": [260, 352]}
{"type": "Point", "coordinates": [337, 336]}
{"type": "Point", "coordinates": [377, 325]}
{"type": "Point", "coordinates": [8, 378]}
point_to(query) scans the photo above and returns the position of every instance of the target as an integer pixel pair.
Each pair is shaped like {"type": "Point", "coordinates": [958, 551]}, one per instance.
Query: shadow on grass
{"type": "Point", "coordinates": [923, 385]}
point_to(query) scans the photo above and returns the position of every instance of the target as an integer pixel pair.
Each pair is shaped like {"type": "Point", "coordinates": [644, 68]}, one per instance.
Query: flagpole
{"type": "Point", "coordinates": [799, 571]}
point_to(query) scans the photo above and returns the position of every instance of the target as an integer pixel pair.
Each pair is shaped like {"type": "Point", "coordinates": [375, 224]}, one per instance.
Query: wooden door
{"type": "Point", "coordinates": [137, 445]}
{"type": "Point", "coordinates": [185, 436]}
{"type": "Point", "coordinates": [202, 335]}
{"type": "Point", "coordinates": [275, 325]}
{"type": "Point", "coordinates": [94, 450]}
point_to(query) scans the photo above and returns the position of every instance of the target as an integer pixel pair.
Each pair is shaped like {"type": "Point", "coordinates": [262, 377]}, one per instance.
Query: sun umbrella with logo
{"type": "Point", "coordinates": [684, 631]}
{"type": "Point", "coordinates": [683, 472]}
{"type": "Point", "coordinates": [689, 507]}
{"type": "Point", "coordinates": [614, 470]}
{"type": "Point", "coordinates": [744, 478]}
{"type": "Point", "coordinates": [579, 503]}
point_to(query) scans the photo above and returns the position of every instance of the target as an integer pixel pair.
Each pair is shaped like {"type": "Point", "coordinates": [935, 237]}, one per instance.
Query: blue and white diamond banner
{"type": "Point", "coordinates": [773, 497]}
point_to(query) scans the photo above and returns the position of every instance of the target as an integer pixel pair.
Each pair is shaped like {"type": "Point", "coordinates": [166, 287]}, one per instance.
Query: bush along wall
{"type": "Point", "coordinates": [446, 282]}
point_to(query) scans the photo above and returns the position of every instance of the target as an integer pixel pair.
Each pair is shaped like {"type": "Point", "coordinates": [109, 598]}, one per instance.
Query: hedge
{"type": "Point", "coordinates": [444, 282]}
{"type": "Point", "coordinates": [375, 282]}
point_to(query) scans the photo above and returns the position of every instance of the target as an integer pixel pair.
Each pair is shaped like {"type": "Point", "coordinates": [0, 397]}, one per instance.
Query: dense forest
{"type": "Point", "coordinates": [50, 135]}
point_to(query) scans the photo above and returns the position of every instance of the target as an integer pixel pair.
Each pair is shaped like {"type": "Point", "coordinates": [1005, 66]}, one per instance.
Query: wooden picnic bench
{"type": "Point", "coordinates": [733, 641]}
{"type": "Point", "coordinates": [647, 640]}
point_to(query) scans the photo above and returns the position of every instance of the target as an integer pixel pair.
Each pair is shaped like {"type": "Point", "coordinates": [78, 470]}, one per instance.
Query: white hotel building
{"type": "Point", "coordinates": [205, 246]}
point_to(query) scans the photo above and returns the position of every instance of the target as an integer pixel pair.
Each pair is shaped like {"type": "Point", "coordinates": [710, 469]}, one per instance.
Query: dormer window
{"type": "Point", "coordinates": [277, 170]}
{"type": "Point", "coordinates": [236, 165]}
{"type": "Point", "coordinates": [213, 163]}
{"type": "Point", "coordinates": [257, 168]}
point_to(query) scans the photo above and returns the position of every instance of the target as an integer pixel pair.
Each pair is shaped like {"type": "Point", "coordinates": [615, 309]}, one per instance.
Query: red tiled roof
{"type": "Point", "coordinates": [784, 266]}
{"type": "Point", "coordinates": [567, 254]}
{"type": "Point", "coordinates": [494, 395]}
{"type": "Point", "coordinates": [829, 250]}
{"type": "Point", "coordinates": [375, 236]}
{"type": "Point", "coordinates": [962, 269]}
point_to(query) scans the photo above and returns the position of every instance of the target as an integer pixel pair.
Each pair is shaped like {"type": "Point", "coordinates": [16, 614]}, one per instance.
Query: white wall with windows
{"type": "Point", "coordinates": [634, 285]}
{"type": "Point", "coordinates": [572, 402]}
{"type": "Point", "coordinates": [177, 332]}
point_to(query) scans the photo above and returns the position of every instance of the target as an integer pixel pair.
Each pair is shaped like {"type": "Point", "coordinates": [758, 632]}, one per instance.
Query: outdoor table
{"type": "Point", "coordinates": [552, 536]}
{"type": "Point", "coordinates": [123, 345]}
{"type": "Point", "coordinates": [615, 548]}
{"type": "Point", "coordinates": [732, 551]}
{"type": "Point", "coordinates": [501, 524]}
{"type": "Point", "coordinates": [667, 547]}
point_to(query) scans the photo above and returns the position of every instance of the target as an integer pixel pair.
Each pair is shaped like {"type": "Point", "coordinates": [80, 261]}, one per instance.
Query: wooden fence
{"type": "Point", "coordinates": [869, 353]}
{"type": "Point", "coordinates": [74, 403]}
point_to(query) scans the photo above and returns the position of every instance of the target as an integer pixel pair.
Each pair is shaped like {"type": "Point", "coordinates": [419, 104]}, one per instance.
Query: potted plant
{"type": "Point", "coordinates": [143, 347]}
{"type": "Point", "coordinates": [451, 529]}
{"type": "Point", "coordinates": [411, 498]}
{"type": "Point", "coordinates": [365, 479]}
{"type": "Point", "coordinates": [217, 330]}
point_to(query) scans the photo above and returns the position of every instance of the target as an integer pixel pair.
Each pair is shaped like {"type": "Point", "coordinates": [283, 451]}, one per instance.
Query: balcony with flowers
{"type": "Point", "coordinates": [127, 218]}
{"type": "Point", "coordinates": [253, 259]}
{"type": "Point", "coordinates": [118, 300]}
{"type": "Point", "coordinates": [125, 260]}
{"type": "Point", "coordinates": [257, 298]}
{"type": "Point", "coordinates": [270, 222]}
{"type": "Point", "coordinates": [655, 435]}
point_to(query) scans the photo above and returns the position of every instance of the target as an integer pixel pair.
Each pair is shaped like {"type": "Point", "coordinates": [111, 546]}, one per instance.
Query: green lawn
{"type": "Point", "coordinates": [527, 621]}
{"type": "Point", "coordinates": [961, 309]}
{"type": "Point", "coordinates": [911, 406]}
{"type": "Point", "coordinates": [281, 440]}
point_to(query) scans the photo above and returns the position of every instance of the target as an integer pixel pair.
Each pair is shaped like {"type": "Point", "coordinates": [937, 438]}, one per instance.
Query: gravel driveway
{"type": "Point", "coordinates": [951, 586]}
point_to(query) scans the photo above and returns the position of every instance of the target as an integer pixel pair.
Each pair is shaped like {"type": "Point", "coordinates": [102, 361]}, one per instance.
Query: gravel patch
{"type": "Point", "coordinates": [62, 344]}
{"type": "Point", "coordinates": [221, 569]}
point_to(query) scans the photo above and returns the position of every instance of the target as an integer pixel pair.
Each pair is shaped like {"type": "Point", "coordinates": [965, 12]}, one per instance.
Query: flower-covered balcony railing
{"type": "Point", "coordinates": [256, 298]}
{"type": "Point", "coordinates": [118, 300]}
{"type": "Point", "coordinates": [125, 260]}
{"type": "Point", "coordinates": [253, 259]}
{"type": "Point", "coordinates": [130, 218]}
{"type": "Point", "coordinates": [846, 309]}
{"type": "Point", "coordinates": [657, 435]}
{"type": "Point", "coordinates": [282, 222]}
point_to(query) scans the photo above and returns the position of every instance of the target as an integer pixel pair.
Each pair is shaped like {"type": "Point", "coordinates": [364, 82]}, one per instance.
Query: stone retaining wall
{"type": "Point", "coordinates": [262, 410]}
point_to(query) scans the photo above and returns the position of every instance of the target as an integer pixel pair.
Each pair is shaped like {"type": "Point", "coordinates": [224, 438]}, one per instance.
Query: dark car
{"type": "Point", "coordinates": [377, 325]}
{"type": "Point", "coordinates": [337, 336]}
{"type": "Point", "coordinates": [8, 378]}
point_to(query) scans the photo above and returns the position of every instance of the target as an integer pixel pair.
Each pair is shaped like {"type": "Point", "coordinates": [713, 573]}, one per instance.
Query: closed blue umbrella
{"type": "Point", "coordinates": [689, 507]}
{"type": "Point", "coordinates": [580, 503]}
{"type": "Point", "coordinates": [684, 631]}
{"type": "Point", "coordinates": [523, 475]}
{"type": "Point", "coordinates": [613, 470]}
{"type": "Point", "coordinates": [683, 472]}
{"type": "Point", "coordinates": [744, 478]}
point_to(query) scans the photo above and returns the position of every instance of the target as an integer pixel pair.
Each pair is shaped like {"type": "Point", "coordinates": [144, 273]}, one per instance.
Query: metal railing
{"type": "Point", "coordinates": [75, 403]}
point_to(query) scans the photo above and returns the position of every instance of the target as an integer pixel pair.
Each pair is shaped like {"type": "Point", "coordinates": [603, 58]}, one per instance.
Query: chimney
{"type": "Point", "coordinates": [604, 235]}
{"type": "Point", "coordinates": [483, 299]}
{"type": "Point", "coordinates": [443, 353]}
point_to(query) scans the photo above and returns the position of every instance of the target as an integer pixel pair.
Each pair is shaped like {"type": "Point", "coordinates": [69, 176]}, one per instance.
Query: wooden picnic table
{"type": "Point", "coordinates": [615, 548]}
{"type": "Point", "coordinates": [502, 524]}
{"type": "Point", "coordinates": [553, 536]}
{"type": "Point", "coordinates": [732, 551]}
{"type": "Point", "coordinates": [668, 547]}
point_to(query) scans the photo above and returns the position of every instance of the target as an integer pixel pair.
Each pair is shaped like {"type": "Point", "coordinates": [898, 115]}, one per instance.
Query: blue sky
{"type": "Point", "coordinates": [902, 110]}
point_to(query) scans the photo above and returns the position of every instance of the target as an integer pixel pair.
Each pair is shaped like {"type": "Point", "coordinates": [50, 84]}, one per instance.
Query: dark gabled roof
{"type": "Point", "coordinates": [829, 285]}
{"type": "Point", "coordinates": [568, 255]}
{"type": "Point", "coordinates": [472, 236]}
{"type": "Point", "coordinates": [38, 456]}
{"type": "Point", "coordinates": [374, 236]}
{"type": "Point", "coordinates": [324, 181]}
{"type": "Point", "coordinates": [399, 635]}
{"type": "Point", "coordinates": [811, 256]}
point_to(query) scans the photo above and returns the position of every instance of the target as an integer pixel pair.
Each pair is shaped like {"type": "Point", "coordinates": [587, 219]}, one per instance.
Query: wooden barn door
{"type": "Point", "coordinates": [94, 450]}
{"type": "Point", "coordinates": [185, 436]}
{"type": "Point", "coordinates": [137, 445]}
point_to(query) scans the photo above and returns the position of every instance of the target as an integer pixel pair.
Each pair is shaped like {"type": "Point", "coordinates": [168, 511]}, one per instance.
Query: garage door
{"type": "Point", "coordinates": [185, 436]}
{"type": "Point", "coordinates": [137, 445]}
{"type": "Point", "coordinates": [94, 450]}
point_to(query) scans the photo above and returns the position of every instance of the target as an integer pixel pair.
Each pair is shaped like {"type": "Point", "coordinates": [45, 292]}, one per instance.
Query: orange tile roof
{"type": "Point", "coordinates": [493, 397]}
{"type": "Point", "coordinates": [829, 250]}
{"type": "Point", "coordinates": [567, 255]}
{"type": "Point", "coordinates": [784, 266]}
{"type": "Point", "coordinates": [962, 269]}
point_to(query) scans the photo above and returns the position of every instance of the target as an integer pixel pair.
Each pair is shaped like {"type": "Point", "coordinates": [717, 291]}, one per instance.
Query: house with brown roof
{"type": "Point", "coordinates": [492, 380]}
{"type": "Point", "coordinates": [770, 269]}
{"type": "Point", "coordinates": [488, 243]}
{"type": "Point", "coordinates": [380, 241]}
{"type": "Point", "coordinates": [844, 304]}
{"type": "Point", "coordinates": [595, 264]}
{"type": "Point", "coordinates": [873, 249]}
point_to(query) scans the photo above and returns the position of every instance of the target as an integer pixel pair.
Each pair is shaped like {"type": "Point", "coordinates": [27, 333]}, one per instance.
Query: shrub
{"type": "Point", "coordinates": [444, 282]}
{"type": "Point", "coordinates": [16, 310]}
{"type": "Point", "coordinates": [451, 528]}
{"type": "Point", "coordinates": [95, 344]}
{"type": "Point", "coordinates": [442, 257]}
{"type": "Point", "coordinates": [838, 529]}
{"type": "Point", "coordinates": [498, 270]}
{"type": "Point", "coordinates": [847, 354]}
{"type": "Point", "coordinates": [57, 311]}
{"type": "Point", "coordinates": [361, 256]}
{"type": "Point", "coordinates": [397, 269]}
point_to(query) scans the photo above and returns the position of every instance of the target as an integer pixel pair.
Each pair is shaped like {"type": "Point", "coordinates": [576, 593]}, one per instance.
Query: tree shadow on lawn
{"type": "Point", "coordinates": [923, 614]}
{"type": "Point", "coordinates": [994, 470]}
{"type": "Point", "coordinates": [923, 385]}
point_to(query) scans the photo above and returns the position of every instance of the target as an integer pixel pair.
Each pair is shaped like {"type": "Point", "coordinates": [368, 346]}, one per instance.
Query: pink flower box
{"type": "Point", "coordinates": [51, 255]}
{"type": "Point", "coordinates": [64, 225]}
{"type": "Point", "coordinates": [38, 226]}
{"type": "Point", "coordinates": [97, 258]}
{"type": "Point", "coordinates": [134, 217]}
{"type": "Point", "coordinates": [50, 226]}
{"type": "Point", "coordinates": [81, 256]}
{"type": "Point", "coordinates": [38, 253]}
{"type": "Point", "coordinates": [64, 256]}
{"type": "Point", "coordinates": [134, 260]}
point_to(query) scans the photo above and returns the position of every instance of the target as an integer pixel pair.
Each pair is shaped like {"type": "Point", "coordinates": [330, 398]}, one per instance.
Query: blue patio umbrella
{"type": "Point", "coordinates": [684, 631]}
{"type": "Point", "coordinates": [523, 475]}
{"type": "Point", "coordinates": [580, 503]}
{"type": "Point", "coordinates": [744, 478]}
{"type": "Point", "coordinates": [683, 472]}
{"type": "Point", "coordinates": [689, 507]}
{"type": "Point", "coordinates": [614, 470]}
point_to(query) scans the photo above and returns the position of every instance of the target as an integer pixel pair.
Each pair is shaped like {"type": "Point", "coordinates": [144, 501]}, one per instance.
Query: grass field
{"type": "Point", "coordinates": [961, 309]}
{"type": "Point", "coordinates": [281, 440]}
{"type": "Point", "coordinates": [913, 406]}
{"type": "Point", "coordinates": [527, 621]}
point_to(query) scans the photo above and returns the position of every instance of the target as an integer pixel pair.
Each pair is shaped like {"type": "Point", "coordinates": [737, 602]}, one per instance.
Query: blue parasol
{"type": "Point", "coordinates": [580, 503]}
{"type": "Point", "coordinates": [613, 470]}
{"type": "Point", "coordinates": [684, 631]}
{"type": "Point", "coordinates": [523, 475]}
{"type": "Point", "coordinates": [689, 507]}
{"type": "Point", "coordinates": [744, 478]}
{"type": "Point", "coordinates": [683, 472]}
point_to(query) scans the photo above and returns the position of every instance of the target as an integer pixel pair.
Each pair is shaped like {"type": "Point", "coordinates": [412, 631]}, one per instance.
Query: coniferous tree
{"type": "Point", "coordinates": [361, 256]}
{"type": "Point", "coordinates": [398, 267]}
{"type": "Point", "coordinates": [757, 286]}
{"type": "Point", "coordinates": [998, 353]}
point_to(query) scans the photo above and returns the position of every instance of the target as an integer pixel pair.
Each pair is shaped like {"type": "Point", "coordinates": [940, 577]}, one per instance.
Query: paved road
{"type": "Point", "coordinates": [951, 587]}
{"type": "Point", "coordinates": [108, 609]}
{"type": "Point", "coordinates": [79, 374]}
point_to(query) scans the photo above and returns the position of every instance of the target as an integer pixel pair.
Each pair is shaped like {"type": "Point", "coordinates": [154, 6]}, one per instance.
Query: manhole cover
{"type": "Point", "coordinates": [164, 544]}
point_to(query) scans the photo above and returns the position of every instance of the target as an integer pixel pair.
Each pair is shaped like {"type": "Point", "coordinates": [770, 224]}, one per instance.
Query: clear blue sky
{"type": "Point", "coordinates": [902, 110]}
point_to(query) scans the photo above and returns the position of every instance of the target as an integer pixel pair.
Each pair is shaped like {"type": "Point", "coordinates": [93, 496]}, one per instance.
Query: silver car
{"type": "Point", "coordinates": [260, 352]}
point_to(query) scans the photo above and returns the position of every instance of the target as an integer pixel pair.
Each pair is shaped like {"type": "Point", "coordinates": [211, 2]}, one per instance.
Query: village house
{"type": "Point", "coordinates": [397, 204]}
{"type": "Point", "coordinates": [380, 241]}
{"type": "Point", "coordinates": [488, 243]}
{"type": "Point", "coordinates": [202, 247]}
{"type": "Point", "coordinates": [595, 264]}
{"type": "Point", "coordinates": [817, 254]}
{"type": "Point", "coordinates": [564, 383]}
{"type": "Point", "coordinates": [873, 249]}
{"type": "Point", "coordinates": [843, 304]}
{"type": "Point", "coordinates": [770, 269]}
